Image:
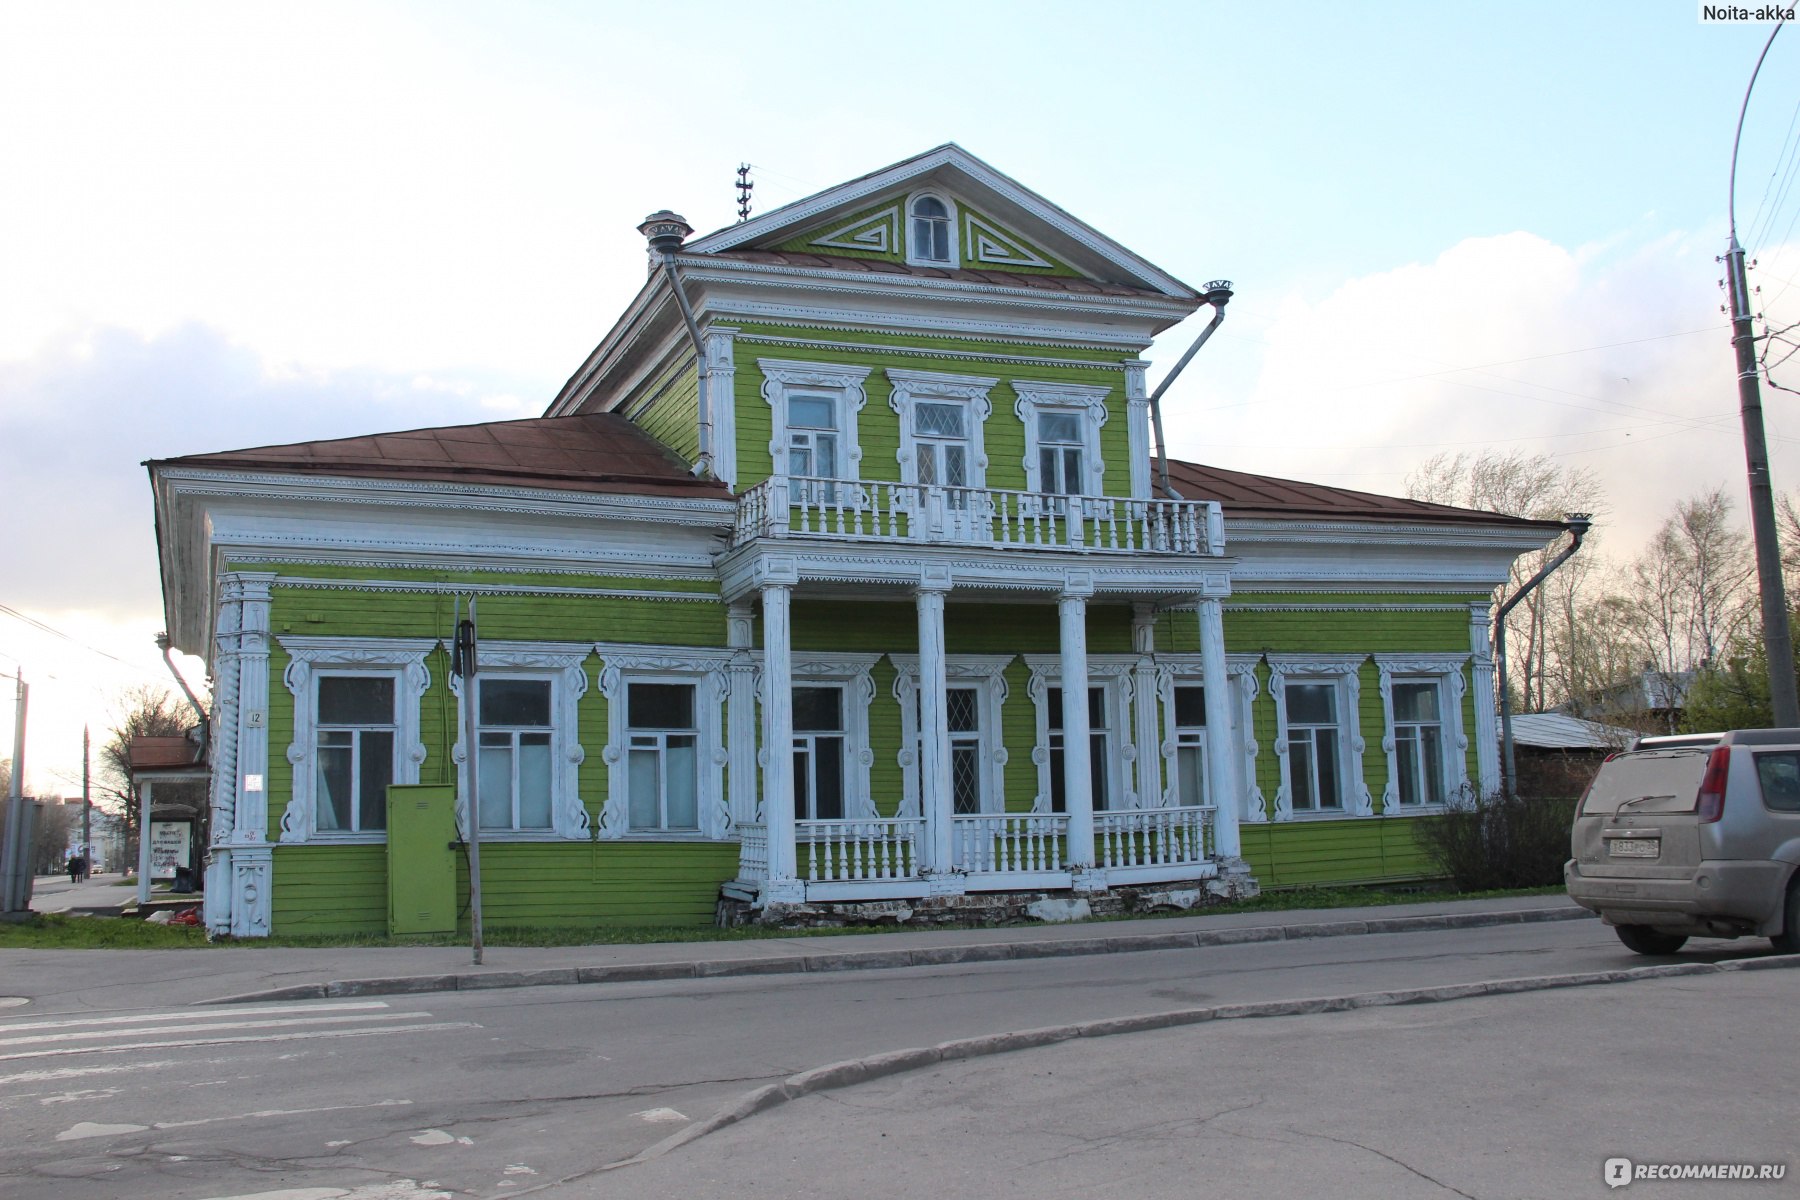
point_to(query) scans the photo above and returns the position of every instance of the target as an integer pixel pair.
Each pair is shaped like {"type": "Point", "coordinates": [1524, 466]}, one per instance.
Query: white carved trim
{"type": "Point", "coordinates": [1447, 671]}
{"type": "Point", "coordinates": [1487, 732]}
{"type": "Point", "coordinates": [1184, 669]}
{"type": "Point", "coordinates": [563, 664]}
{"type": "Point", "coordinates": [1343, 671]}
{"type": "Point", "coordinates": [707, 670]}
{"type": "Point", "coordinates": [1112, 673]}
{"type": "Point", "coordinates": [1087, 401]}
{"type": "Point", "coordinates": [718, 405]}
{"type": "Point", "coordinates": [991, 244]}
{"type": "Point", "coordinates": [987, 673]}
{"type": "Point", "coordinates": [971, 391]}
{"type": "Point", "coordinates": [876, 234]}
{"type": "Point", "coordinates": [780, 377]}
{"type": "Point", "coordinates": [403, 660]}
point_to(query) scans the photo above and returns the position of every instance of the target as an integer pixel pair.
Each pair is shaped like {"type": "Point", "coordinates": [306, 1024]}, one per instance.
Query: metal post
{"type": "Point", "coordinates": [87, 812]}
{"type": "Point", "coordinates": [1778, 642]}
{"type": "Point", "coordinates": [465, 665]}
{"type": "Point", "coordinates": [1577, 525]}
{"type": "Point", "coordinates": [15, 865]}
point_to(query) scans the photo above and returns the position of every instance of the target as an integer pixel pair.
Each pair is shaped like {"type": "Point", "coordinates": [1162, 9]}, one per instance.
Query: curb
{"type": "Point", "coordinates": [861, 1070]}
{"type": "Point", "coordinates": [876, 960]}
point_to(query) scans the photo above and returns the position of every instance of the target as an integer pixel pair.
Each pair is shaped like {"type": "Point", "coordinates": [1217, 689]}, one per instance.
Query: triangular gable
{"type": "Point", "coordinates": [880, 232]}
{"type": "Point", "coordinates": [1014, 228]}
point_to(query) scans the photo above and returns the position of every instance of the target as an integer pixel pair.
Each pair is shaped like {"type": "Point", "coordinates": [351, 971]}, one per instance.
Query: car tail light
{"type": "Point", "coordinates": [1709, 805]}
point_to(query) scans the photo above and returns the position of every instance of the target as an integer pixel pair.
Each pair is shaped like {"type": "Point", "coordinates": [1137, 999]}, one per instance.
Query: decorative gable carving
{"type": "Point", "coordinates": [987, 244]}
{"type": "Point", "coordinates": [877, 234]}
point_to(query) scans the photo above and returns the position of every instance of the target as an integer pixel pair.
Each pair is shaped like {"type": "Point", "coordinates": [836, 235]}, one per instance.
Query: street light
{"type": "Point", "coordinates": [1777, 641]}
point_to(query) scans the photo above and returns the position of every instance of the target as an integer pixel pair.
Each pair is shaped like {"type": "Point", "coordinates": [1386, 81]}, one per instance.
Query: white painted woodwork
{"type": "Point", "coordinates": [778, 739]}
{"type": "Point", "coordinates": [1078, 791]}
{"type": "Point", "coordinates": [934, 731]}
{"type": "Point", "coordinates": [1154, 837]}
{"type": "Point", "coordinates": [718, 405]}
{"type": "Point", "coordinates": [1137, 427]}
{"type": "Point", "coordinates": [1487, 728]}
{"type": "Point", "coordinates": [1149, 791]}
{"type": "Point", "coordinates": [740, 733]}
{"type": "Point", "coordinates": [1222, 763]}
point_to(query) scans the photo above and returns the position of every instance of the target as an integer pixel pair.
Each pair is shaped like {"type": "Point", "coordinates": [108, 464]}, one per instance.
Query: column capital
{"type": "Point", "coordinates": [1077, 585]}
{"type": "Point", "coordinates": [934, 577]}
{"type": "Point", "coordinates": [775, 570]}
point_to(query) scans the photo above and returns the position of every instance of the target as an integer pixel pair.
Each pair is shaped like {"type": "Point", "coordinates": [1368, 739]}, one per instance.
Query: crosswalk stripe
{"type": "Point", "coordinates": [190, 1014]}
{"type": "Point", "coordinates": [206, 1026]}
{"type": "Point", "coordinates": [310, 1034]}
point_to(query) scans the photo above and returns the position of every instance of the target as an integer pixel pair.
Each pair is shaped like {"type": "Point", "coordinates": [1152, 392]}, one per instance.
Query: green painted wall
{"type": "Point", "coordinates": [878, 426]}
{"type": "Point", "coordinates": [1331, 853]}
{"type": "Point", "coordinates": [671, 413]}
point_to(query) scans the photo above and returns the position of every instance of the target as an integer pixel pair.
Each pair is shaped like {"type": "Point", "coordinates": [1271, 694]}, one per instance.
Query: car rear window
{"type": "Point", "coordinates": [1779, 775]}
{"type": "Point", "coordinates": [1650, 781]}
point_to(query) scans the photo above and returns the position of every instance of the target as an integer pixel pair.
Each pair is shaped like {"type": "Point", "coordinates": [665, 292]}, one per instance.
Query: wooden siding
{"type": "Point", "coordinates": [1331, 853]}
{"type": "Point", "coordinates": [671, 412]}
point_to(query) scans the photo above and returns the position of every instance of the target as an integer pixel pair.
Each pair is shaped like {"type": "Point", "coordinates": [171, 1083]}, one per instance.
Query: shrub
{"type": "Point", "coordinates": [1490, 843]}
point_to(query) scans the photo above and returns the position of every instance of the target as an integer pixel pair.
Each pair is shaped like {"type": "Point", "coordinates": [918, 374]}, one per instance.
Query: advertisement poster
{"type": "Point", "coordinates": [171, 846]}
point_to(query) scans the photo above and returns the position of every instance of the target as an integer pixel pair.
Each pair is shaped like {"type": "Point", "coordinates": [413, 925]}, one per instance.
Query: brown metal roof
{"type": "Point", "coordinates": [591, 452]}
{"type": "Point", "coordinates": [162, 753]}
{"type": "Point", "coordinates": [875, 266]}
{"type": "Point", "coordinates": [1242, 494]}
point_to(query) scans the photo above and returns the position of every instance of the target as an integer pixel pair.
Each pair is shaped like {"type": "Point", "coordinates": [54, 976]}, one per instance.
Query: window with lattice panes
{"type": "Point", "coordinates": [941, 442]}
{"type": "Point", "coordinates": [963, 709]}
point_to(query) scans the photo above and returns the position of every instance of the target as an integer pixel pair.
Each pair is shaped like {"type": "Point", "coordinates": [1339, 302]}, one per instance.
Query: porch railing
{"type": "Point", "coordinates": [753, 851]}
{"type": "Point", "coordinates": [855, 851]}
{"type": "Point", "coordinates": [1008, 843]}
{"type": "Point", "coordinates": [1153, 837]}
{"type": "Point", "coordinates": [797, 506]}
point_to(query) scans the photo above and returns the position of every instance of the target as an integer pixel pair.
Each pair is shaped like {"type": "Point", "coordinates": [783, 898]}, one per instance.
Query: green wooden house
{"type": "Point", "coordinates": [869, 479]}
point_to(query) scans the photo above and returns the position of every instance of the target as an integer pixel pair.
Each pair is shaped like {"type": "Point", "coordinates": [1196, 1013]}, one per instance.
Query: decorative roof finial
{"type": "Point", "coordinates": [744, 187]}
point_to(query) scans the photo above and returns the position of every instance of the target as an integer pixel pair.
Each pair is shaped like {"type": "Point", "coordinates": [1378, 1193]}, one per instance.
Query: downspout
{"type": "Point", "coordinates": [162, 643]}
{"type": "Point", "coordinates": [1577, 525]}
{"type": "Point", "coordinates": [665, 231]}
{"type": "Point", "coordinates": [1218, 292]}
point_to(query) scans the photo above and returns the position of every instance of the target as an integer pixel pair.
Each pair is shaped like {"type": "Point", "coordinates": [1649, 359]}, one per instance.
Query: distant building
{"type": "Point", "coordinates": [1650, 701]}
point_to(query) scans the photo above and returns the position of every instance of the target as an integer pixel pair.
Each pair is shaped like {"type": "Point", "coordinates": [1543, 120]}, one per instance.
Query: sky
{"type": "Point", "coordinates": [1450, 227]}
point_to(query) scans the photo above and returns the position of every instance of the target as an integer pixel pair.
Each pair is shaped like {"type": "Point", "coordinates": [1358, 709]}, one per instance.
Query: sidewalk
{"type": "Point", "coordinates": [93, 979]}
{"type": "Point", "coordinates": [54, 893]}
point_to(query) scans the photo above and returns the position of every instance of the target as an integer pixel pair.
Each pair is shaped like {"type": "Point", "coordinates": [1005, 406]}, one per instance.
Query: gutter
{"type": "Point", "coordinates": [1577, 526]}
{"type": "Point", "coordinates": [162, 643]}
{"type": "Point", "coordinates": [665, 231]}
{"type": "Point", "coordinates": [1218, 293]}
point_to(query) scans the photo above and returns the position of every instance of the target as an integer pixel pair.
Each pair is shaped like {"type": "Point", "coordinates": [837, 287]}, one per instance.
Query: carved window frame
{"type": "Point", "coordinates": [1185, 670]}
{"type": "Point", "coordinates": [969, 391]}
{"type": "Point", "coordinates": [845, 384]}
{"type": "Point", "coordinates": [707, 670]}
{"type": "Point", "coordinates": [1343, 672]}
{"type": "Point", "coordinates": [986, 673]}
{"type": "Point", "coordinates": [855, 674]}
{"type": "Point", "coordinates": [953, 218]}
{"type": "Point", "coordinates": [564, 665]}
{"type": "Point", "coordinates": [1087, 403]}
{"type": "Point", "coordinates": [403, 660]}
{"type": "Point", "coordinates": [1448, 672]}
{"type": "Point", "coordinates": [1113, 674]}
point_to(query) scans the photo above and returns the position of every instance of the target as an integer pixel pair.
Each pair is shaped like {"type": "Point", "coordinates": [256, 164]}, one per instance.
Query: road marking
{"type": "Point", "coordinates": [188, 1014]}
{"type": "Point", "coordinates": [88, 1035]}
{"type": "Point", "coordinates": [396, 1189]}
{"type": "Point", "coordinates": [660, 1114]}
{"type": "Point", "coordinates": [91, 1129]}
{"type": "Point", "coordinates": [437, 1137]}
{"type": "Point", "coordinates": [228, 1041]}
{"type": "Point", "coordinates": [60, 1073]}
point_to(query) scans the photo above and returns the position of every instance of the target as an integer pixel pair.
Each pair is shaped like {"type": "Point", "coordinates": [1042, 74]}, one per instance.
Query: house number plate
{"type": "Point", "coordinates": [1634, 847]}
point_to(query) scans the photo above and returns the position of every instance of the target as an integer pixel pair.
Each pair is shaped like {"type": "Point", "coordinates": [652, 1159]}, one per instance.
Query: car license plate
{"type": "Point", "coordinates": [1634, 847]}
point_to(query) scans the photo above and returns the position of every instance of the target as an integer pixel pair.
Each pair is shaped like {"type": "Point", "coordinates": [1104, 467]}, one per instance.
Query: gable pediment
{"type": "Point", "coordinates": [996, 224]}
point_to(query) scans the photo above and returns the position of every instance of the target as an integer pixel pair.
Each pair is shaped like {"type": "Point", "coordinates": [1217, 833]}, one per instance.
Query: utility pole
{"type": "Point", "coordinates": [1778, 641]}
{"type": "Point", "coordinates": [15, 855]}
{"type": "Point", "coordinates": [464, 665]}
{"type": "Point", "coordinates": [87, 812]}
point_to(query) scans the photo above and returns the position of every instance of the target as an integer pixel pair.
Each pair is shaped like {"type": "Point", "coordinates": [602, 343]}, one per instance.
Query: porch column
{"type": "Point", "coordinates": [143, 887]}
{"type": "Point", "coordinates": [740, 729]}
{"type": "Point", "coordinates": [1146, 736]}
{"type": "Point", "coordinates": [935, 803]}
{"type": "Point", "coordinates": [251, 859]}
{"type": "Point", "coordinates": [1078, 790]}
{"type": "Point", "coordinates": [778, 746]}
{"type": "Point", "coordinates": [1221, 757]}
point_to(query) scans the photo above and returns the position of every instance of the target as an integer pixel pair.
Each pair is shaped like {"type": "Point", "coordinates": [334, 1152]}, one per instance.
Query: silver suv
{"type": "Point", "coordinates": [1693, 836]}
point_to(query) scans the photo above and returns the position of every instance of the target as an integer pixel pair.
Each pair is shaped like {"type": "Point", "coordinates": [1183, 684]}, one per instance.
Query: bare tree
{"type": "Point", "coordinates": [142, 711]}
{"type": "Point", "coordinates": [1690, 588]}
{"type": "Point", "coordinates": [1543, 631]}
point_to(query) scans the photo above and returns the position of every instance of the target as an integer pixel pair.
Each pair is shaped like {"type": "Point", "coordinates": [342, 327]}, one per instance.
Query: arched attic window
{"type": "Point", "coordinates": [931, 243]}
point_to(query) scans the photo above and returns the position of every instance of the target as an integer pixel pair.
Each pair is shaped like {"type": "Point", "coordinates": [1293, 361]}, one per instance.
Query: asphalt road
{"type": "Point", "coordinates": [502, 1093]}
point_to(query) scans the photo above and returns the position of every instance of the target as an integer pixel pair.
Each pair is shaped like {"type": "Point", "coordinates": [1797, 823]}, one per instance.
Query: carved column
{"type": "Point", "coordinates": [251, 857]}
{"type": "Point", "coordinates": [222, 798]}
{"type": "Point", "coordinates": [1147, 742]}
{"type": "Point", "coordinates": [783, 885]}
{"type": "Point", "coordinates": [718, 404]}
{"type": "Point", "coordinates": [1078, 790]}
{"type": "Point", "coordinates": [1221, 758]}
{"type": "Point", "coordinates": [935, 798]}
{"type": "Point", "coordinates": [740, 730]}
{"type": "Point", "coordinates": [1137, 427]}
{"type": "Point", "coordinates": [1487, 732]}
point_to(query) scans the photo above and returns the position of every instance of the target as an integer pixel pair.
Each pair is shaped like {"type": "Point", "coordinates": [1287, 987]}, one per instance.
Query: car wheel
{"type": "Point", "coordinates": [1788, 940]}
{"type": "Point", "coordinates": [1646, 940]}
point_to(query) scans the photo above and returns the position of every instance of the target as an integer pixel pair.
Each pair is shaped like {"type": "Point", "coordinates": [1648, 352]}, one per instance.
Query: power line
{"type": "Point", "coordinates": [57, 633]}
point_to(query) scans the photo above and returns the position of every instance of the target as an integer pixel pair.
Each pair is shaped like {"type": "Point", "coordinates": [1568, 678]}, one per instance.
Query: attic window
{"type": "Point", "coordinates": [930, 242]}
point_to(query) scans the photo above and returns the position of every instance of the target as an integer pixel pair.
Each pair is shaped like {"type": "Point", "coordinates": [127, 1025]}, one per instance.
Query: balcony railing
{"type": "Point", "coordinates": [849, 510]}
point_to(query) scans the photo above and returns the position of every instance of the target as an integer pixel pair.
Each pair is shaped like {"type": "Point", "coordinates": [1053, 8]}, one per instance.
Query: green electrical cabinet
{"type": "Point", "coordinates": [421, 825]}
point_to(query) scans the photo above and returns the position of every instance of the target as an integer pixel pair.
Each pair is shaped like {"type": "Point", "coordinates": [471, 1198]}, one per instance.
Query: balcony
{"type": "Point", "coordinates": [874, 511]}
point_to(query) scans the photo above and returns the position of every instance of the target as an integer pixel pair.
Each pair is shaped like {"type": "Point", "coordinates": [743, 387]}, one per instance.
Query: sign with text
{"type": "Point", "coordinates": [171, 846]}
